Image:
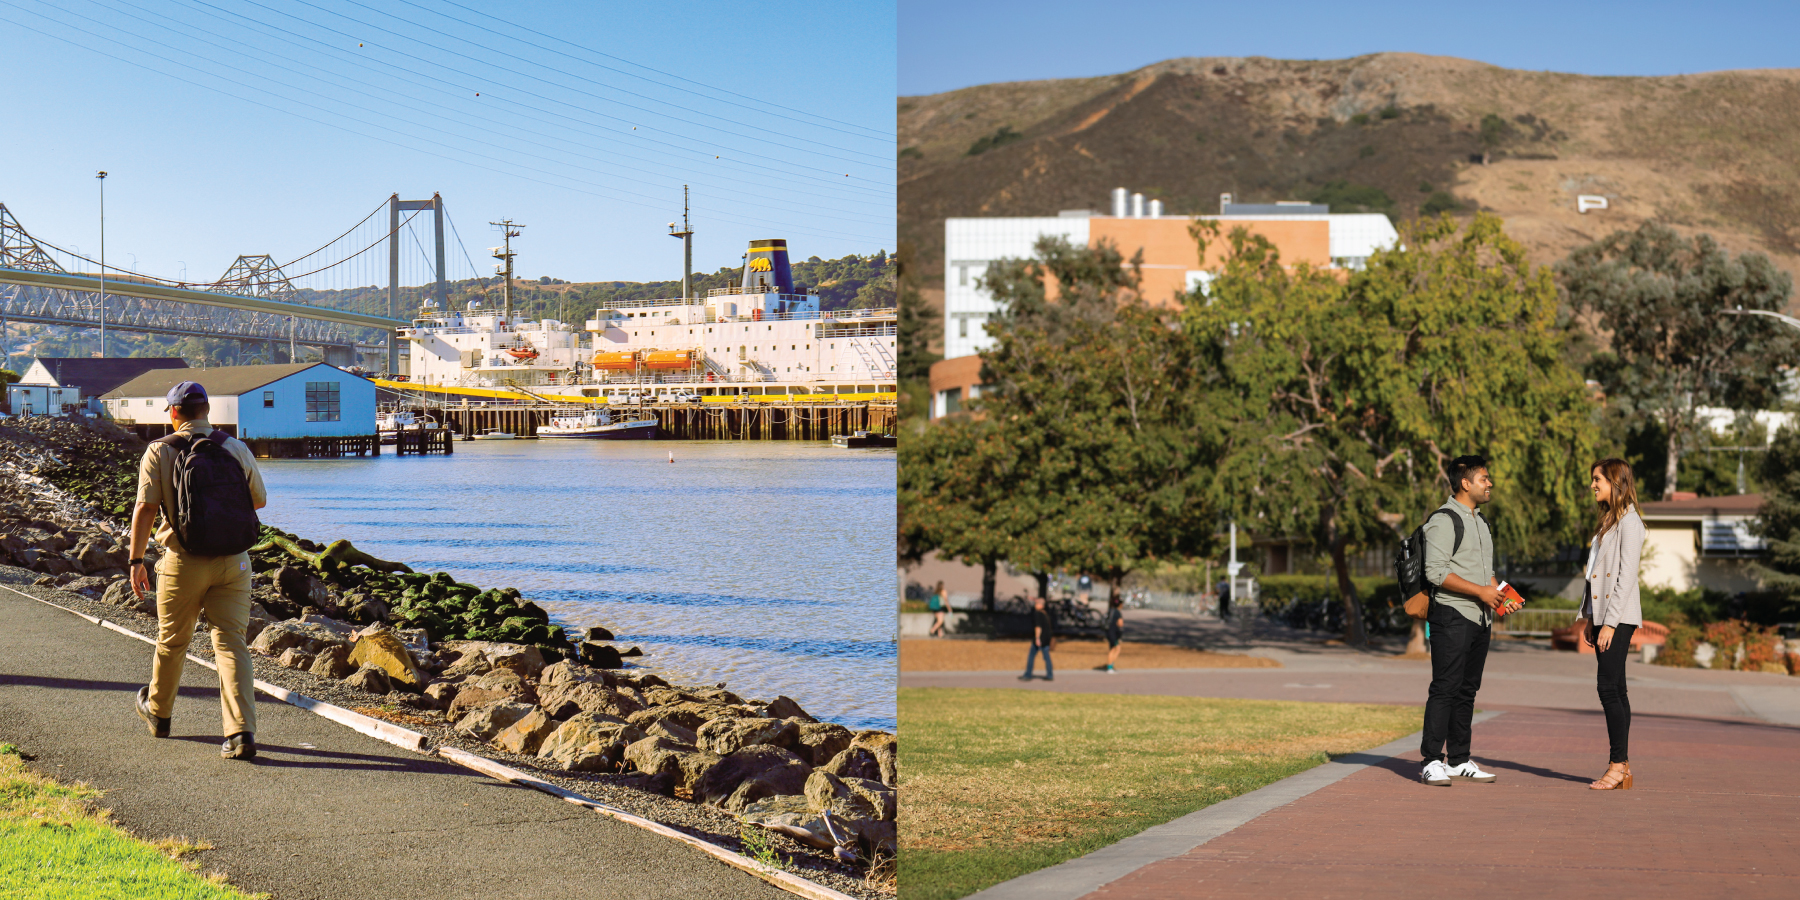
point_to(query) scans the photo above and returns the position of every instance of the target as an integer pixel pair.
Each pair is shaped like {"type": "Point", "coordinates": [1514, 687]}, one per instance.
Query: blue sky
{"type": "Point", "coordinates": [946, 45]}
{"type": "Point", "coordinates": [271, 126]}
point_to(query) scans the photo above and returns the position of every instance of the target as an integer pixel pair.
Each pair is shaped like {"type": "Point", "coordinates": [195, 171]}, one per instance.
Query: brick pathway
{"type": "Point", "coordinates": [1716, 813]}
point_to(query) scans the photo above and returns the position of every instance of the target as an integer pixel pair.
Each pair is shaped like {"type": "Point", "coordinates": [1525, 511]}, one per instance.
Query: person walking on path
{"type": "Point", "coordinates": [935, 603]}
{"type": "Point", "coordinates": [207, 488]}
{"type": "Point", "coordinates": [1610, 613]}
{"type": "Point", "coordinates": [1459, 560]}
{"type": "Point", "coordinates": [1042, 639]}
{"type": "Point", "coordinates": [1115, 630]}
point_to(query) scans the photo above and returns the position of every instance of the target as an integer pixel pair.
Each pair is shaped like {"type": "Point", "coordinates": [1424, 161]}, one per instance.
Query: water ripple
{"type": "Point", "coordinates": [670, 598]}
{"type": "Point", "coordinates": [816, 647]}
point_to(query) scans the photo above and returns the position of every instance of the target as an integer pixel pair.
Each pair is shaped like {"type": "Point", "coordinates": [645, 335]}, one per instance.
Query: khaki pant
{"type": "Point", "coordinates": [219, 586]}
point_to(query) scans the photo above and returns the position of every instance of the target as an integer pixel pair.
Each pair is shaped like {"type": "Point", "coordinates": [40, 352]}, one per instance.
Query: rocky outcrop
{"type": "Point", "coordinates": [882, 746]}
{"type": "Point", "coordinates": [728, 734]}
{"type": "Point", "coordinates": [374, 681]}
{"type": "Point", "coordinates": [333, 662]}
{"type": "Point", "coordinates": [311, 638]}
{"type": "Point", "coordinates": [785, 708]}
{"type": "Point", "coordinates": [819, 742]}
{"type": "Point", "coordinates": [564, 700]}
{"type": "Point", "coordinates": [485, 723]}
{"type": "Point", "coordinates": [527, 734]}
{"type": "Point", "coordinates": [295, 658]}
{"type": "Point", "coordinates": [751, 774]}
{"type": "Point", "coordinates": [590, 742]}
{"type": "Point", "coordinates": [676, 768]}
{"type": "Point", "coordinates": [854, 762]}
{"type": "Point", "coordinates": [600, 656]}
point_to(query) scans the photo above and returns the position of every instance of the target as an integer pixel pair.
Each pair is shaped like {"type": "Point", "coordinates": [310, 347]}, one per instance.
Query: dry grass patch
{"type": "Point", "coordinates": [1003, 782]}
{"type": "Point", "coordinates": [946, 655]}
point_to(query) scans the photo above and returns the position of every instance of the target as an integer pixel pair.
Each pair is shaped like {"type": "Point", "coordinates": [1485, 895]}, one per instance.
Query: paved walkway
{"type": "Point", "coordinates": [1716, 809]}
{"type": "Point", "coordinates": [324, 812]}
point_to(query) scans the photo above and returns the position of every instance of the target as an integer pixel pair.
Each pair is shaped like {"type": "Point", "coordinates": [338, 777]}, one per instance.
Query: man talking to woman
{"type": "Point", "coordinates": [1459, 560]}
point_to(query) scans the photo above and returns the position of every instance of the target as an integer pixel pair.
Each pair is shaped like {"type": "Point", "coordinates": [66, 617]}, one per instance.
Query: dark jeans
{"type": "Point", "coordinates": [1611, 685]}
{"type": "Point", "coordinates": [1459, 650]}
{"type": "Point", "coordinates": [1031, 660]}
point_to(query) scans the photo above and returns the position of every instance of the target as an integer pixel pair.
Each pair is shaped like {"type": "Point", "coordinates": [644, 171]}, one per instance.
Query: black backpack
{"type": "Point", "coordinates": [210, 510]}
{"type": "Point", "coordinates": [1409, 566]}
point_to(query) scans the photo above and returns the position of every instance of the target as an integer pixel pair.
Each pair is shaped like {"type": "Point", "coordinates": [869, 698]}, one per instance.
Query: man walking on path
{"type": "Point", "coordinates": [1042, 639]}
{"type": "Point", "coordinates": [1459, 559]}
{"type": "Point", "coordinates": [214, 513]}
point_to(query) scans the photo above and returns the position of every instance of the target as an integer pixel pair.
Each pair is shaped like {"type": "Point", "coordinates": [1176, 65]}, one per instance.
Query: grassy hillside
{"type": "Point", "coordinates": [1394, 132]}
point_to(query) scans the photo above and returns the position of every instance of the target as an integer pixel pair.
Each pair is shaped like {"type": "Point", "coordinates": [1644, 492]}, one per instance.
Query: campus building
{"type": "Point", "coordinates": [1172, 265]}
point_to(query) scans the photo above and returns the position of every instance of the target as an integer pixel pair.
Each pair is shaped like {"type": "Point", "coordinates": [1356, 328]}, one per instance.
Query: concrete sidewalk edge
{"type": "Point", "coordinates": [416, 742]}
{"type": "Point", "coordinates": [1083, 875]}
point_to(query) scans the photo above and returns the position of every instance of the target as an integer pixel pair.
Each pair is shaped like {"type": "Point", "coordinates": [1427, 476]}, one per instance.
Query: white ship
{"type": "Point", "coordinates": [390, 423]}
{"type": "Point", "coordinates": [759, 340]}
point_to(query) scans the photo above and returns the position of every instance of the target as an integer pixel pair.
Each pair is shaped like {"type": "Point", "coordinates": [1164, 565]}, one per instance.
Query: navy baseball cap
{"type": "Point", "coordinates": [186, 392]}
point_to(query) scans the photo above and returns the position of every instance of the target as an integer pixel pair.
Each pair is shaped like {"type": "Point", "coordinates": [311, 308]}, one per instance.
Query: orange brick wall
{"type": "Point", "coordinates": [1170, 252]}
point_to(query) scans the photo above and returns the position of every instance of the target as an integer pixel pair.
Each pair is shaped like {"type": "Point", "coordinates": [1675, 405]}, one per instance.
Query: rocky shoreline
{"type": "Point", "coordinates": [481, 670]}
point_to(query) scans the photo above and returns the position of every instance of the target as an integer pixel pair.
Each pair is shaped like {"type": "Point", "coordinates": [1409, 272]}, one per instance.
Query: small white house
{"type": "Point", "coordinates": [89, 376]}
{"type": "Point", "coordinates": [279, 401]}
{"type": "Point", "coordinates": [1705, 542]}
{"type": "Point", "coordinates": [41, 399]}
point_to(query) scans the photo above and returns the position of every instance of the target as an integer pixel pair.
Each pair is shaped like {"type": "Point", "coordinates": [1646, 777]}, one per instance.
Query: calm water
{"type": "Point", "coordinates": [765, 565]}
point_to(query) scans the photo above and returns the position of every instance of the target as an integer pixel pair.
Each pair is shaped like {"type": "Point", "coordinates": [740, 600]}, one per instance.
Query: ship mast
{"type": "Point", "coordinates": [505, 267]}
{"type": "Point", "coordinates": [687, 247]}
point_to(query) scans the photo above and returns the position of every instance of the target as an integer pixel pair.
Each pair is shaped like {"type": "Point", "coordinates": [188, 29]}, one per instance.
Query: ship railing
{"type": "Point", "coordinates": [830, 315]}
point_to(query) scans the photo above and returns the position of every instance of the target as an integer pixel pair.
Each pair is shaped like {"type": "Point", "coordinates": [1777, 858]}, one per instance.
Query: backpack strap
{"type": "Point", "coordinates": [1456, 522]}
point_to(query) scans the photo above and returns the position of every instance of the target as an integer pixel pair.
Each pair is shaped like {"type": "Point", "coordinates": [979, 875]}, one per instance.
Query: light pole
{"type": "Point", "coordinates": [102, 177]}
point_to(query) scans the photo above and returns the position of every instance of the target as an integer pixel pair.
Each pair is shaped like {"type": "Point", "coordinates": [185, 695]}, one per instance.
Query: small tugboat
{"type": "Point", "coordinates": [598, 424]}
{"type": "Point", "coordinates": [863, 439]}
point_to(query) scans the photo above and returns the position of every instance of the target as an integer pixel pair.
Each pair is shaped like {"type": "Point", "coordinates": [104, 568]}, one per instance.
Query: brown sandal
{"type": "Point", "coordinates": [1617, 778]}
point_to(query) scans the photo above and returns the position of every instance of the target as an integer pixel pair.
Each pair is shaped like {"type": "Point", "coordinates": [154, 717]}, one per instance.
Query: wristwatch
{"type": "Point", "coordinates": [137, 562]}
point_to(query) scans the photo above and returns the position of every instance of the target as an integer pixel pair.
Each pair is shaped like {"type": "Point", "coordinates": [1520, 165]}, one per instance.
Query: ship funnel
{"type": "Point", "coordinates": [766, 268]}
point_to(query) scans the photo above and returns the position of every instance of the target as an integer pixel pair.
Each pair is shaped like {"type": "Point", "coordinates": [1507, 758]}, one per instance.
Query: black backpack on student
{"type": "Point", "coordinates": [210, 507]}
{"type": "Point", "coordinates": [1409, 566]}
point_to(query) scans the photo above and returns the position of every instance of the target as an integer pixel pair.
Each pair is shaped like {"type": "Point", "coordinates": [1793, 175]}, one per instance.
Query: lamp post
{"type": "Point", "coordinates": [102, 178]}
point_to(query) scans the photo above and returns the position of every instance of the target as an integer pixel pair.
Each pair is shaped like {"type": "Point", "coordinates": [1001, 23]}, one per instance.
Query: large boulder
{"type": "Point", "coordinates": [333, 662]}
{"type": "Point", "coordinates": [819, 742]}
{"type": "Point", "coordinates": [527, 662]}
{"type": "Point", "coordinates": [751, 774]}
{"type": "Point", "coordinates": [854, 762]}
{"type": "Point", "coordinates": [120, 593]}
{"type": "Point", "coordinates": [279, 636]}
{"type": "Point", "coordinates": [570, 672]}
{"type": "Point", "coordinates": [485, 723]}
{"type": "Point", "coordinates": [295, 658]}
{"type": "Point", "coordinates": [366, 609]}
{"type": "Point", "coordinates": [563, 700]}
{"type": "Point", "coordinates": [507, 682]}
{"type": "Point", "coordinates": [687, 714]}
{"type": "Point", "coordinates": [601, 656]}
{"type": "Point", "coordinates": [345, 631]}
{"type": "Point", "coordinates": [590, 743]}
{"type": "Point", "coordinates": [639, 680]}
{"type": "Point", "coordinates": [677, 768]}
{"type": "Point", "coordinates": [95, 553]}
{"type": "Point", "coordinates": [882, 746]}
{"type": "Point", "coordinates": [726, 735]}
{"type": "Point", "coordinates": [374, 681]}
{"type": "Point", "coordinates": [297, 586]}
{"type": "Point", "coordinates": [526, 735]}
{"type": "Point", "coordinates": [852, 798]}
{"type": "Point", "coordinates": [385, 651]}
{"type": "Point", "coordinates": [441, 694]}
{"type": "Point", "coordinates": [785, 708]}
{"type": "Point", "coordinates": [469, 698]}
{"type": "Point", "coordinates": [672, 731]}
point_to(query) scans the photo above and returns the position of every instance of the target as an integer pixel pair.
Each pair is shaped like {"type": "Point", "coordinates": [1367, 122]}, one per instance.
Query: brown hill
{"type": "Point", "coordinates": [1713, 152]}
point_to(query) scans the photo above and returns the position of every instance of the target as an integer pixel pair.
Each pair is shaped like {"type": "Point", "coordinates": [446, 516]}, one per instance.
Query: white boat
{"type": "Point", "coordinates": [390, 424]}
{"type": "Point", "coordinates": [495, 434]}
{"type": "Point", "coordinates": [598, 424]}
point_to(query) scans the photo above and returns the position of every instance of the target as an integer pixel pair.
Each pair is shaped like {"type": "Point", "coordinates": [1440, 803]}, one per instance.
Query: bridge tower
{"type": "Point", "coordinates": [441, 290]}
{"type": "Point", "coordinates": [258, 276]}
{"type": "Point", "coordinates": [19, 250]}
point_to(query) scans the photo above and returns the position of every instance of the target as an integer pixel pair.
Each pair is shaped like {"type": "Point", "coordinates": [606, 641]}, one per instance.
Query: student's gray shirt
{"type": "Point", "coordinates": [1474, 560]}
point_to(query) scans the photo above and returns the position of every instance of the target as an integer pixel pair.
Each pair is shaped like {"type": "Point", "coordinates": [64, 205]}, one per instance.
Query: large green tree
{"type": "Point", "coordinates": [961, 492]}
{"type": "Point", "coordinates": [1348, 400]}
{"type": "Point", "coordinates": [1107, 410]}
{"type": "Point", "coordinates": [1779, 519]}
{"type": "Point", "coordinates": [1672, 307]}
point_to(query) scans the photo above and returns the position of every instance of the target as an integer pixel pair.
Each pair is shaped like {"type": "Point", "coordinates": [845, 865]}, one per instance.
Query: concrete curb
{"type": "Point", "coordinates": [411, 740]}
{"type": "Point", "coordinates": [1084, 875]}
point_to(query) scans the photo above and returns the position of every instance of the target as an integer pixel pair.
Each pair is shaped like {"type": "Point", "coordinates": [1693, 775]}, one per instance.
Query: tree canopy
{"type": "Point", "coordinates": [1670, 305]}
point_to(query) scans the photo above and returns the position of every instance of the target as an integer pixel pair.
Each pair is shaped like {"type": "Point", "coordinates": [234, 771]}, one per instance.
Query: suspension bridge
{"type": "Point", "coordinates": [331, 299]}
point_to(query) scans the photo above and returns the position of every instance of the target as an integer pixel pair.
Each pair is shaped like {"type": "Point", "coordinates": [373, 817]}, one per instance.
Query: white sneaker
{"type": "Point", "coordinates": [1469, 771]}
{"type": "Point", "coordinates": [1436, 774]}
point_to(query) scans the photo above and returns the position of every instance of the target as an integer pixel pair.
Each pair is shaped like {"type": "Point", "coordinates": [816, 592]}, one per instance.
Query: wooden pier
{"type": "Point", "coordinates": [315, 447]}
{"type": "Point", "coordinates": [419, 442]}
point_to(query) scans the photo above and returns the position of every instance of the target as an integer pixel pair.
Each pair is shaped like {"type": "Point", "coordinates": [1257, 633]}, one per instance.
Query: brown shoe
{"type": "Point", "coordinates": [159, 725]}
{"type": "Point", "coordinates": [1617, 778]}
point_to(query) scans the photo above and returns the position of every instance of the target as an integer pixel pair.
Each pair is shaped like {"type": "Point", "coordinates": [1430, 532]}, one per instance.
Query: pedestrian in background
{"type": "Point", "coordinates": [207, 488]}
{"type": "Point", "coordinates": [936, 604]}
{"type": "Point", "coordinates": [1043, 637]}
{"type": "Point", "coordinates": [1610, 612]}
{"type": "Point", "coordinates": [1084, 588]}
{"type": "Point", "coordinates": [1115, 630]}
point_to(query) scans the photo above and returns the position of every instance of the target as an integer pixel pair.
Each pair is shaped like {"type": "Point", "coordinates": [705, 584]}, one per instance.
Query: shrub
{"type": "Point", "coordinates": [1005, 135]}
{"type": "Point", "coordinates": [1727, 638]}
{"type": "Point", "coordinates": [1678, 648]}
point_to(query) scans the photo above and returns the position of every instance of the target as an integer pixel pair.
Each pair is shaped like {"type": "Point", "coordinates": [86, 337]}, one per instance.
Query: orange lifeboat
{"type": "Point", "coordinates": [616, 362]}
{"type": "Point", "coordinates": [666, 360]}
{"type": "Point", "coordinates": [523, 353]}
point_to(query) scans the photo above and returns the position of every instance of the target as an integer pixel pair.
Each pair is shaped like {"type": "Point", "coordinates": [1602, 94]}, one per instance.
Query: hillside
{"type": "Point", "coordinates": [1390, 132]}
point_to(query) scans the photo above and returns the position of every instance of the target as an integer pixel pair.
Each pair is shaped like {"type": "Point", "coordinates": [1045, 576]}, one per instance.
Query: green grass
{"type": "Point", "coordinates": [55, 846]}
{"type": "Point", "coordinates": [998, 783]}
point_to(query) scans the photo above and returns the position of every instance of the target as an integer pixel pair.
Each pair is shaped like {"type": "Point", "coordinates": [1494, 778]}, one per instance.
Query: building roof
{"type": "Point", "coordinates": [226, 381]}
{"type": "Point", "coordinates": [1739, 505]}
{"type": "Point", "coordinates": [97, 375]}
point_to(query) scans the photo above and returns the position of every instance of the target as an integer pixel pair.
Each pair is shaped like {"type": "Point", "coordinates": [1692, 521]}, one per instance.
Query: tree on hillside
{"type": "Point", "coordinates": [1105, 410]}
{"type": "Point", "coordinates": [1348, 400]}
{"type": "Point", "coordinates": [1669, 304]}
{"type": "Point", "coordinates": [1779, 520]}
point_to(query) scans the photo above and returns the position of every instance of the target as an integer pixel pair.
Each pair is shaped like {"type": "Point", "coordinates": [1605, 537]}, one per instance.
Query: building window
{"type": "Point", "coordinates": [962, 327]}
{"type": "Point", "coordinates": [962, 276]}
{"type": "Point", "coordinates": [268, 399]}
{"type": "Point", "coordinates": [322, 402]}
{"type": "Point", "coordinates": [149, 402]}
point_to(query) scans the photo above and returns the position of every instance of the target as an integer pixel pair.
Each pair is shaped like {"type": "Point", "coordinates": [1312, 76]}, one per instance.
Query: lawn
{"type": "Point", "coordinates": [55, 846]}
{"type": "Point", "coordinates": [998, 783]}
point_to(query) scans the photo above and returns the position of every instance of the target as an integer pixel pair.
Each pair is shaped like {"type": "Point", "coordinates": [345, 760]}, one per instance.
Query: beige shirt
{"type": "Point", "coordinates": [156, 477]}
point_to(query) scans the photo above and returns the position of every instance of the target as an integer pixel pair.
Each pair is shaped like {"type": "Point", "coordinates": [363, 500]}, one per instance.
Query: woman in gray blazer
{"type": "Point", "coordinates": [1609, 606]}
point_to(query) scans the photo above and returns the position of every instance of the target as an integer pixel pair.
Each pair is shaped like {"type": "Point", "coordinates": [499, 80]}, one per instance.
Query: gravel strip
{"type": "Point", "coordinates": [707, 823]}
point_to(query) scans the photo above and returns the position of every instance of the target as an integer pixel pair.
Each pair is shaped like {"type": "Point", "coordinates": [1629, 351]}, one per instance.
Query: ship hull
{"type": "Point", "coordinates": [624, 431]}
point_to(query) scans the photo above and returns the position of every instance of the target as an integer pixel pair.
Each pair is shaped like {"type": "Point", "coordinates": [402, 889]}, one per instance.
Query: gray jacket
{"type": "Point", "coordinates": [1611, 598]}
{"type": "Point", "coordinates": [1474, 560]}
